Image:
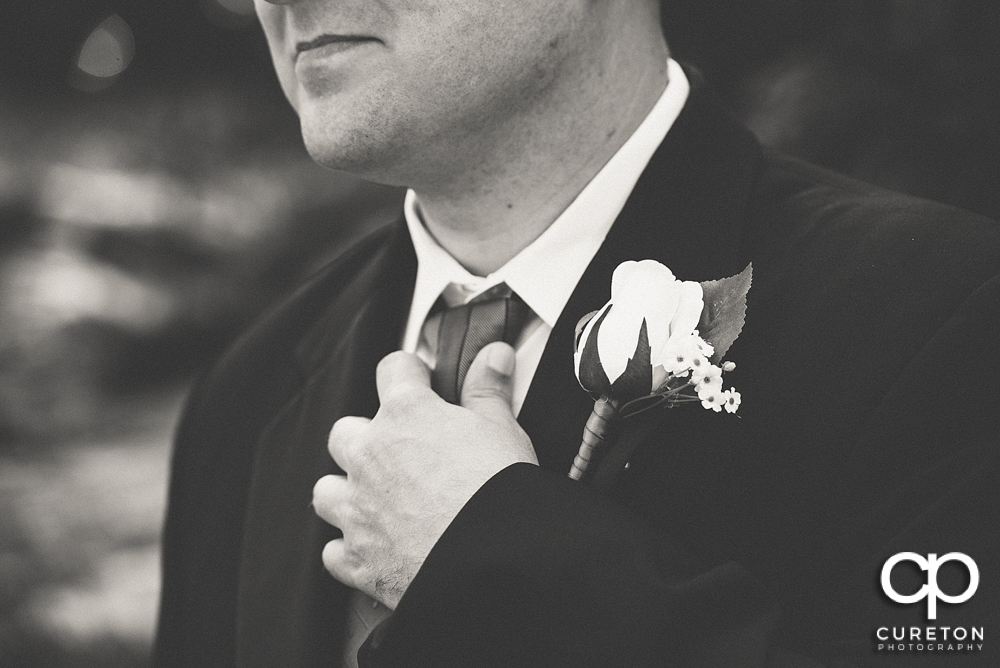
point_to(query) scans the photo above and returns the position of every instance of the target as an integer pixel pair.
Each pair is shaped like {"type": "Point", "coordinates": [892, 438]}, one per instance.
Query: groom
{"type": "Point", "coordinates": [326, 497]}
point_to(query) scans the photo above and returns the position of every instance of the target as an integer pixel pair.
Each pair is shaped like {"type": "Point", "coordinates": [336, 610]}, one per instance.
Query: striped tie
{"type": "Point", "coordinates": [496, 315]}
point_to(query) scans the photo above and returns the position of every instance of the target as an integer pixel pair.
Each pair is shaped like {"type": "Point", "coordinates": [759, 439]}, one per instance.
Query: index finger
{"type": "Point", "coordinates": [401, 372]}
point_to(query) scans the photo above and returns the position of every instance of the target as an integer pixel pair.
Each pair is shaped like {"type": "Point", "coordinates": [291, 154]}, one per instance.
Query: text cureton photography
{"type": "Point", "coordinates": [930, 639]}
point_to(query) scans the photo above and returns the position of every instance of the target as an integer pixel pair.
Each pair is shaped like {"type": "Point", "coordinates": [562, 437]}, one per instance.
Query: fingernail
{"type": "Point", "coordinates": [501, 360]}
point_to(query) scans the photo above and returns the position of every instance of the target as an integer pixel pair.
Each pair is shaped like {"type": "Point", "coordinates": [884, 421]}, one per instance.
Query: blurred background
{"type": "Point", "coordinates": [155, 196]}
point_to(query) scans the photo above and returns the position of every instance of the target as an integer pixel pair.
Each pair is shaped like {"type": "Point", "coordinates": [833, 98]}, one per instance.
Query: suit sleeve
{"type": "Point", "coordinates": [540, 571]}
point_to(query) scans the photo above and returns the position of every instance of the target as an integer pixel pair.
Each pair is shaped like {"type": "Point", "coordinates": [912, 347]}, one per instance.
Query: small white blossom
{"type": "Point", "coordinates": [731, 400]}
{"type": "Point", "coordinates": [704, 347]}
{"type": "Point", "coordinates": [711, 377]}
{"type": "Point", "coordinates": [729, 366]}
{"type": "Point", "coordinates": [711, 400]}
{"type": "Point", "coordinates": [678, 355]}
{"type": "Point", "coordinates": [678, 365]}
{"type": "Point", "coordinates": [700, 368]}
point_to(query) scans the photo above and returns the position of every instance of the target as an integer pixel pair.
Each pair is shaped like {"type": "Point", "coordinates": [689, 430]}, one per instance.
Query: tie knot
{"type": "Point", "coordinates": [498, 291]}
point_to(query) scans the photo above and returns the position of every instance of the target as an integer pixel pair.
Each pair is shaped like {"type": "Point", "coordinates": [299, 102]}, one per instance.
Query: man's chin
{"type": "Point", "coordinates": [358, 153]}
{"type": "Point", "coordinates": [340, 150]}
{"type": "Point", "coordinates": [358, 164]}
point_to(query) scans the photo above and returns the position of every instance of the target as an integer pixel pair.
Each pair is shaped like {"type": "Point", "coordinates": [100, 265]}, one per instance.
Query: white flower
{"type": "Point", "coordinates": [704, 346]}
{"type": "Point", "coordinates": [731, 400]}
{"type": "Point", "coordinates": [683, 356]}
{"type": "Point", "coordinates": [712, 399]}
{"type": "Point", "coordinates": [649, 323]}
{"type": "Point", "coordinates": [710, 378]}
{"type": "Point", "coordinates": [701, 367]}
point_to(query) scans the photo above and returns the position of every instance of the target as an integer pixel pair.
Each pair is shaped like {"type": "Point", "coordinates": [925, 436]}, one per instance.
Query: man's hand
{"type": "Point", "coordinates": [413, 467]}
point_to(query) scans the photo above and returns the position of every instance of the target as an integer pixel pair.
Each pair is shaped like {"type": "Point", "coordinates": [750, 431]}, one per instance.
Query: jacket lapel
{"type": "Point", "coordinates": [291, 610]}
{"type": "Point", "coordinates": [687, 211]}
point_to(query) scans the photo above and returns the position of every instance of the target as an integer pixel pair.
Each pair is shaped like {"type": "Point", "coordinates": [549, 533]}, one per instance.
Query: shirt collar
{"type": "Point", "coordinates": [546, 272]}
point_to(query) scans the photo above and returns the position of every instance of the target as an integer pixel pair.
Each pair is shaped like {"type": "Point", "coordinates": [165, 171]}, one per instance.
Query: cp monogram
{"type": "Point", "coordinates": [930, 591]}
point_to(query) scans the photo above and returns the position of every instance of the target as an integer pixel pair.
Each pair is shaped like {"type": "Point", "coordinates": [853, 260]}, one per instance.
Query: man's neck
{"type": "Point", "coordinates": [489, 214]}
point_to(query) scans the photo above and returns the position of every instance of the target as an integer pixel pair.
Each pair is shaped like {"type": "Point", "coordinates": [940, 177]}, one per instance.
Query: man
{"type": "Point", "coordinates": [543, 145]}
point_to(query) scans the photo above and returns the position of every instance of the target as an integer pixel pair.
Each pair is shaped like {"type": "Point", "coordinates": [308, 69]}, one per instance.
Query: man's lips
{"type": "Point", "coordinates": [323, 40]}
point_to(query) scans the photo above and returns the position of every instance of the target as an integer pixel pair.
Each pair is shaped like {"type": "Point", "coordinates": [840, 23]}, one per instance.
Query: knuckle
{"type": "Point", "coordinates": [320, 490]}
{"type": "Point", "coordinates": [331, 556]}
{"type": "Point", "coordinates": [348, 439]}
{"type": "Point", "coordinates": [362, 457]}
{"type": "Point", "coordinates": [399, 402]}
{"type": "Point", "coordinates": [332, 561]}
{"type": "Point", "coordinates": [341, 561]}
{"type": "Point", "coordinates": [324, 492]}
{"type": "Point", "coordinates": [330, 551]}
{"type": "Point", "coordinates": [350, 517]}
{"type": "Point", "coordinates": [390, 361]}
{"type": "Point", "coordinates": [340, 430]}
{"type": "Point", "coordinates": [337, 441]}
{"type": "Point", "coordinates": [486, 392]}
{"type": "Point", "coordinates": [325, 508]}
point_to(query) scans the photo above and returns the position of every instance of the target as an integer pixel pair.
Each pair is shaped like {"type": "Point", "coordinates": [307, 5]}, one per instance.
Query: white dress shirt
{"type": "Point", "coordinates": [546, 272]}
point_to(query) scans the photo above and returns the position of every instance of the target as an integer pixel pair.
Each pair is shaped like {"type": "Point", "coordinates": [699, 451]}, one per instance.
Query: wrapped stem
{"type": "Point", "coordinates": [596, 435]}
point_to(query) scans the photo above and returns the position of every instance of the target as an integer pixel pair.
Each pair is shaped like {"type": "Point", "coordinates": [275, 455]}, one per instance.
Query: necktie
{"type": "Point", "coordinates": [496, 315]}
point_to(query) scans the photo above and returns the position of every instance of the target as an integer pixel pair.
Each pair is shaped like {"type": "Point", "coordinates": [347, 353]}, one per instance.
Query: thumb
{"type": "Point", "coordinates": [489, 383]}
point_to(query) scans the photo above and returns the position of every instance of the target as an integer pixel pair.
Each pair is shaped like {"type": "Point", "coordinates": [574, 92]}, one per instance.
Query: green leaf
{"type": "Point", "coordinates": [725, 311]}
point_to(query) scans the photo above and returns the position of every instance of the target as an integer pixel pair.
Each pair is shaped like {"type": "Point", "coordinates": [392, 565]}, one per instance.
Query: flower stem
{"type": "Point", "coordinates": [595, 435]}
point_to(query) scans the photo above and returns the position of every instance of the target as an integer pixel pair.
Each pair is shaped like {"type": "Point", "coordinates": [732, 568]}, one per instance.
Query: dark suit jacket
{"type": "Point", "coordinates": [869, 427]}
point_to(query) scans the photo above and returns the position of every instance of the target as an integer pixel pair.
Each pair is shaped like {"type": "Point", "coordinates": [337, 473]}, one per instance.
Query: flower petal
{"type": "Point", "coordinates": [635, 274]}
{"type": "Point", "coordinates": [640, 291]}
{"type": "Point", "coordinates": [617, 337]}
{"type": "Point", "coordinates": [689, 311]}
{"type": "Point", "coordinates": [589, 370]}
{"type": "Point", "coordinates": [679, 355]}
{"type": "Point", "coordinates": [581, 324]}
{"type": "Point", "coordinates": [660, 376]}
{"type": "Point", "coordinates": [583, 334]}
{"type": "Point", "coordinates": [683, 318]}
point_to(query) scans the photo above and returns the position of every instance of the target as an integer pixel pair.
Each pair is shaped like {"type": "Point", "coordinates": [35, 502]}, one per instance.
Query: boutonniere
{"type": "Point", "coordinates": [659, 342]}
